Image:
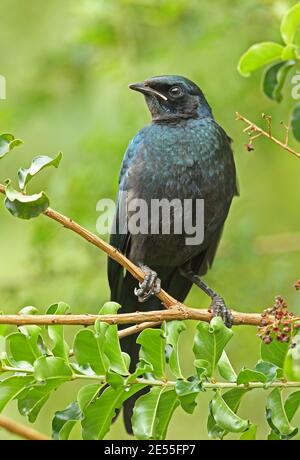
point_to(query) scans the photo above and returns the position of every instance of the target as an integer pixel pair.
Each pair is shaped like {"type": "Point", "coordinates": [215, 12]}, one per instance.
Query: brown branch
{"type": "Point", "coordinates": [113, 253]}
{"type": "Point", "coordinates": [256, 129]}
{"type": "Point", "coordinates": [139, 317]}
{"type": "Point", "coordinates": [167, 300]}
{"type": "Point", "coordinates": [21, 430]}
{"type": "Point", "coordinates": [137, 328]}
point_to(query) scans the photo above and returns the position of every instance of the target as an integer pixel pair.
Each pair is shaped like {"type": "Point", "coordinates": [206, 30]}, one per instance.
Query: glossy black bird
{"type": "Point", "coordinates": [182, 154]}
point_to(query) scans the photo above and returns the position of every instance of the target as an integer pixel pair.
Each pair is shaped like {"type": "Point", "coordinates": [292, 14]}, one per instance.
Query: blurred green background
{"type": "Point", "coordinates": [67, 65]}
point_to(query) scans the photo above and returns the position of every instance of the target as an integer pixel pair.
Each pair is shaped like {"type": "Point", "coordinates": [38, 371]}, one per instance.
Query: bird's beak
{"type": "Point", "coordinates": [145, 89]}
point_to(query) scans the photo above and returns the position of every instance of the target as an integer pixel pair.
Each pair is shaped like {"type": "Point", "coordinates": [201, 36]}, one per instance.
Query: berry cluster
{"type": "Point", "coordinates": [280, 326]}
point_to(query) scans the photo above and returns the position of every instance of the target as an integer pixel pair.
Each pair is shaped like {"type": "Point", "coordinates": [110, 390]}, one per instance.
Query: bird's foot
{"type": "Point", "coordinates": [149, 286]}
{"type": "Point", "coordinates": [219, 308]}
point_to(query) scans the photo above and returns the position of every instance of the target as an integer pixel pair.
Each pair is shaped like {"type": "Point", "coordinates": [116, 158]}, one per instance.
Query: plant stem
{"type": "Point", "coordinates": [172, 383]}
{"type": "Point", "coordinates": [139, 317]}
{"type": "Point", "coordinates": [15, 369]}
{"type": "Point", "coordinates": [253, 127]}
{"type": "Point", "coordinates": [21, 430]}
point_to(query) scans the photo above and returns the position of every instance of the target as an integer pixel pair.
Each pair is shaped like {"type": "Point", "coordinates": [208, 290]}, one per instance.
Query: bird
{"type": "Point", "coordinates": [182, 154]}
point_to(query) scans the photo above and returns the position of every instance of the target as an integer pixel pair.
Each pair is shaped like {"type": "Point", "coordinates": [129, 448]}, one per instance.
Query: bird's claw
{"type": "Point", "coordinates": [149, 286]}
{"type": "Point", "coordinates": [219, 308]}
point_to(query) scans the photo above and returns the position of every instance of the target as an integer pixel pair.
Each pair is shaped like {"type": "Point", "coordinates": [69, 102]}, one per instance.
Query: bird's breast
{"type": "Point", "coordinates": [188, 161]}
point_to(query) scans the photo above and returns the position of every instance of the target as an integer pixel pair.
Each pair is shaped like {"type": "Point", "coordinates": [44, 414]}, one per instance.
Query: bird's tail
{"type": "Point", "coordinates": [130, 304]}
{"type": "Point", "coordinates": [173, 283]}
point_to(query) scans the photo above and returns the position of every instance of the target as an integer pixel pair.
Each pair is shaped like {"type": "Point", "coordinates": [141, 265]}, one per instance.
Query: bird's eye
{"type": "Point", "coordinates": [175, 91]}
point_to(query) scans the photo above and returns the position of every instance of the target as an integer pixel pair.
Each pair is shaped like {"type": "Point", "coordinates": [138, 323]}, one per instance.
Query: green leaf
{"type": "Point", "coordinates": [248, 375]}
{"type": "Point", "coordinates": [51, 367]}
{"type": "Point", "coordinates": [250, 434]}
{"type": "Point", "coordinates": [152, 350]}
{"type": "Point", "coordinates": [141, 369]}
{"type": "Point", "coordinates": [274, 353]}
{"type": "Point", "coordinates": [99, 413]}
{"type": "Point", "coordinates": [210, 340]}
{"type": "Point", "coordinates": [292, 367]}
{"type": "Point", "coordinates": [289, 52]}
{"type": "Point", "coordinates": [33, 333]}
{"type": "Point", "coordinates": [225, 417]}
{"type": "Point", "coordinates": [292, 404]}
{"type": "Point", "coordinates": [7, 143]}
{"type": "Point", "coordinates": [225, 368]}
{"type": "Point", "coordinates": [25, 346]}
{"type": "Point", "coordinates": [38, 163]}
{"type": "Point", "coordinates": [173, 330]}
{"type": "Point", "coordinates": [118, 361]}
{"type": "Point", "coordinates": [109, 308]}
{"type": "Point", "coordinates": [28, 310]}
{"type": "Point", "coordinates": [203, 368]}
{"type": "Point", "coordinates": [270, 80]}
{"type": "Point", "coordinates": [295, 122]}
{"type": "Point", "coordinates": [272, 436]}
{"type": "Point", "coordinates": [33, 398]}
{"type": "Point", "coordinates": [167, 405]}
{"type": "Point", "coordinates": [87, 394]}
{"type": "Point", "coordinates": [277, 417]}
{"type": "Point", "coordinates": [145, 419]}
{"type": "Point", "coordinates": [11, 387]}
{"type": "Point", "coordinates": [115, 380]}
{"type": "Point", "coordinates": [187, 391]}
{"type": "Point", "coordinates": [290, 23]}
{"type": "Point", "coordinates": [274, 80]}
{"type": "Point", "coordinates": [50, 373]}
{"type": "Point", "coordinates": [89, 351]}
{"type": "Point", "coordinates": [56, 333]}
{"type": "Point", "coordinates": [153, 412]}
{"type": "Point", "coordinates": [25, 206]}
{"type": "Point", "coordinates": [232, 398]}
{"type": "Point", "coordinates": [64, 421]}
{"type": "Point", "coordinates": [21, 349]}
{"type": "Point", "coordinates": [259, 55]}
{"type": "Point", "coordinates": [269, 370]}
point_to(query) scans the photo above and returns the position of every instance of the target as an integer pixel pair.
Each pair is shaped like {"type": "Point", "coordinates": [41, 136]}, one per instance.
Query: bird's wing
{"type": "Point", "coordinates": [202, 263]}
{"type": "Point", "coordinates": [230, 141]}
{"type": "Point", "coordinates": [178, 285]}
{"type": "Point", "coordinates": [131, 152]}
{"type": "Point", "coordinates": [115, 271]}
{"type": "Point", "coordinates": [121, 240]}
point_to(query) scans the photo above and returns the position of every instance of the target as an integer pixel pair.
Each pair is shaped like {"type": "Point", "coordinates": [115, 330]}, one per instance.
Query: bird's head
{"type": "Point", "coordinates": [172, 97]}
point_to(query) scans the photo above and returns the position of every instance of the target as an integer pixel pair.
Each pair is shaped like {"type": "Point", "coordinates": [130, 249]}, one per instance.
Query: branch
{"type": "Point", "coordinates": [112, 252]}
{"type": "Point", "coordinates": [21, 430]}
{"type": "Point", "coordinates": [260, 132]}
{"type": "Point", "coordinates": [139, 317]}
{"type": "Point", "coordinates": [137, 329]}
